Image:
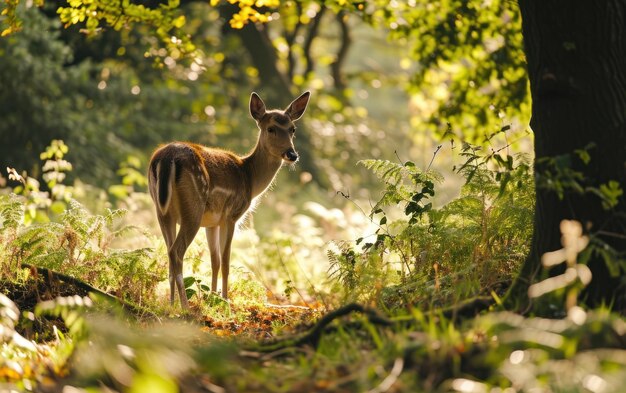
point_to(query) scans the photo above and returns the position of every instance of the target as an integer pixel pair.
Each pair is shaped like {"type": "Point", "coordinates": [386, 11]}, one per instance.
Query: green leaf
{"type": "Point", "coordinates": [57, 207]}
{"type": "Point", "coordinates": [584, 156]}
{"type": "Point", "coordinates": [189, 281]}
{"type": "Point", "coordinates": [190, 292]}
{"type": "Point", "coordinates": [611, 192]}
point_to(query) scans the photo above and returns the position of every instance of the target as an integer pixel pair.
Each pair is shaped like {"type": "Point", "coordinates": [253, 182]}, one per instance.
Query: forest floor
{"type": "Point", "coordinates": [71, 344]}
{"type": "Point", "coordinates": [41, 336]}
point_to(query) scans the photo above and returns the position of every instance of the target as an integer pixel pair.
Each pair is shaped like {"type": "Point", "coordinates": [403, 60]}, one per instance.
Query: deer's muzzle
{"type": "Point", "coordinates": [290, 155]}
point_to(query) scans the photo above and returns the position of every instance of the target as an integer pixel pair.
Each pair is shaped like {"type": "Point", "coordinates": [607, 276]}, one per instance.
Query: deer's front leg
{"type": "Point", "coordinates": [213, 238]}
{"type": "Point", "coordinates": [226, 236]}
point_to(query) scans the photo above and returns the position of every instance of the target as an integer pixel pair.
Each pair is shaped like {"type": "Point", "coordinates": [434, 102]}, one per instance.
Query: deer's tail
{"type": "Point", "coordinates": [162, 175]}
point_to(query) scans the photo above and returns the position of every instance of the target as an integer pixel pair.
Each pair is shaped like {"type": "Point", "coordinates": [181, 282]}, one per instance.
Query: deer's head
{"type": "Point", "coordinates": [278, 126]}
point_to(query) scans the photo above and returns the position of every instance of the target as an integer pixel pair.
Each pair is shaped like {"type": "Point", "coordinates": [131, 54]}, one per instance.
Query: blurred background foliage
{"type": "Point", "coordinates": [390, 80]}
{"type": "Point", "coordinates": [430, 97]}
{"type": "Point", "coordinates": [385, 75]}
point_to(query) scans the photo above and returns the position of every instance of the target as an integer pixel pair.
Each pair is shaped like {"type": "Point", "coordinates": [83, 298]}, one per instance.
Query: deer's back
{"type": "Point", "coordinates": [213, 178]}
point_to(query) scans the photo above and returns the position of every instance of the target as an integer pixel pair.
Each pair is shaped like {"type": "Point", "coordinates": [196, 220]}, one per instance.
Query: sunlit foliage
{"type": "Point", "coordinates": [469, 63]}
{"type": "Point", "coordinates": [468, 247]}
{"type": "Point", "coordinates": [141, 74]}
{"type": "Point", "coordinates": [466, 59]}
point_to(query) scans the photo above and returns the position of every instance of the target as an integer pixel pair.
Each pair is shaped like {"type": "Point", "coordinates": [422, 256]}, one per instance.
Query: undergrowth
{"type": "Point", "coordinates": [390, 331]}
{"type": "Point", "coordinates": [431, 256]}
{"type": "Point", "coordinates": [78, 245]}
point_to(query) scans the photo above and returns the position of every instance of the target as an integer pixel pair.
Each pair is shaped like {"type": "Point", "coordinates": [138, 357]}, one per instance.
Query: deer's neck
{"type": "Point", "coordinates": [262, 168]}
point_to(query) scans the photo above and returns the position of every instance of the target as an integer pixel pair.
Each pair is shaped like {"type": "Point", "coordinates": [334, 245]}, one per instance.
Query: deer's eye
{"type": "Point", "coordinates": [292, 129]}
{"type": "Point", "coordinates": [271, 129]}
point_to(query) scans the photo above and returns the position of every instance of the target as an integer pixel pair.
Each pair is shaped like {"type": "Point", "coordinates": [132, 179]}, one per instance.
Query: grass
{"type": "Point", "coordinates": [381, 323]}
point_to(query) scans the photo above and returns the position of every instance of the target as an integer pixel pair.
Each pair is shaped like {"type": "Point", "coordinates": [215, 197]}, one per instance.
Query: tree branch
{"type": "Point", "coordinates": [308, 42]}
{"type": "Point", "coordinates": [313, 336]}
{"type": "Point", "coordinates": [346, 41]}
{"type": "Point", "coordinates": [466, 309]}
{"type": "Point", "coordinates": [291, 39]}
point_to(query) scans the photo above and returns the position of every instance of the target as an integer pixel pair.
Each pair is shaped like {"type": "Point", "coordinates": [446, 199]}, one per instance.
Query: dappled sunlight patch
{"type": "Point", "coordinates": [25, 363]}
{"type": "Point", "coordinates": [24, 366]}
{"type": "Point", "coordinates": [262, 321]}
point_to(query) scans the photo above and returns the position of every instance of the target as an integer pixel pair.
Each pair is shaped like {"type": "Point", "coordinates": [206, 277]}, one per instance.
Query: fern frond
{"type": "Point", "coordinates": [36, 241]}
{"type": "Point", "coordinates": [113, 215]}
{"type": "Point", "coordinates": [395, 173]}
{"type": "Point", "coordinates": [77, 217]}
{"type": "Point", "coordinates": [49, 259]}
{"type": "Point", "coordinates": [127, 229]}
{"type": "Point", "coordinates": [388, 171]}
{"type": "Point", "coordinates": [11, 211]}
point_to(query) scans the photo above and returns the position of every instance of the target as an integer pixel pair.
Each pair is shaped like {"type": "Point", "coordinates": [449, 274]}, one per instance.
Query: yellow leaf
{"type": "Point", "coordinates": [179, 22]}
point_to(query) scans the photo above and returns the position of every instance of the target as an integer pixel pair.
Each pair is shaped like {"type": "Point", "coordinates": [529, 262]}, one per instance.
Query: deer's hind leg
{"type": "Point", "coordinates": [168, 228]}
{"type": "Point", "coordinates": [187, 232]}
{"type": "Point", "coordinates": [213, 239]}
{"type": "Point", "coordinates": [190, 206]}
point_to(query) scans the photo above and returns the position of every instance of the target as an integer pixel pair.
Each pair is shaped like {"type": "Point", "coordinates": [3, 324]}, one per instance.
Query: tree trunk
{"type": "Point", "coordinates": [576, 54]}
{"type": "Point", "coordinates": [275, 84]}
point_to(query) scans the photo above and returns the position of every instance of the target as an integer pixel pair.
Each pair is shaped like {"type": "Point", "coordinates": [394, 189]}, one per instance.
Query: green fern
{"type": "Point", "coordinates": [404, 183]}
{"type": "Point", "coordinates": [78, 246]}
{"type": "Point", "coordinates": [388, 171]}
{"type": "Point", "coordinates": [77, 218]}
{"type": "Point", "coordinates": [37, 244]}
{"type": "Point", "coordinates": [11, 212]}
{"type": "Point", "coordinates": [397, 174]}
{"type": "Point", "coordinates": [459, 250]}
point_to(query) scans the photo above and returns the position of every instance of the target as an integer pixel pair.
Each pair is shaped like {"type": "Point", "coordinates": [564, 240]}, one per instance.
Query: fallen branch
{"type": "Point", "coordinates": [313, 336]}
{"type": "Point", "coordinates": [51, 274]}
{"type": "Point", "coordinates": [466, 309]}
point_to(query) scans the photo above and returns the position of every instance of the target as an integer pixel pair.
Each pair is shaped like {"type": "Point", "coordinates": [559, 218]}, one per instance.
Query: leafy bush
{"type": "Point", "coordinates": [433, 255]}
{"type": "Point", "coordinates": [76, 242]}
{"type": "Point", "coordinates": [78, 245]}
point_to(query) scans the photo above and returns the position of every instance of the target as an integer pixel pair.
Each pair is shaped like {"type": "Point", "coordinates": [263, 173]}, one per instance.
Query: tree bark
{"type": "Point", "coordinates": [576, 55]}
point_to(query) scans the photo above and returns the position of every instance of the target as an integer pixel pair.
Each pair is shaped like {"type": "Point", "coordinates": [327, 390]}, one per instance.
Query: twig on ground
{"type": "Point", "coordinates": [388, 382]}
{"type": "Point", "coordinates": [270, 305]}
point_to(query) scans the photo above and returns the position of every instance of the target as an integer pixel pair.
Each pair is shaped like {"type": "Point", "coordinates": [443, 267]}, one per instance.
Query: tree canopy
{"type": "Point", "coordinates": [461, 66]}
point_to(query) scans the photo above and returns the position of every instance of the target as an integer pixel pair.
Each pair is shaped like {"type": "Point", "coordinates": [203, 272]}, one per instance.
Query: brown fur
{"type": "Point", "coordinates": [197, 186]}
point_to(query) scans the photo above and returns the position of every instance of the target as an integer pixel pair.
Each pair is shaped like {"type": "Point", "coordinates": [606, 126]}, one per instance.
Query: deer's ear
{"type": "Point", "coordinates": [257, 107]}
{"type": "Point", "coordinates": [296, 109]}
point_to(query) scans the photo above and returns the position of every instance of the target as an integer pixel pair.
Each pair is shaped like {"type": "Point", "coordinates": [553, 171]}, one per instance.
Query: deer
{"type": "Point", "coordinates": [198, 186]}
